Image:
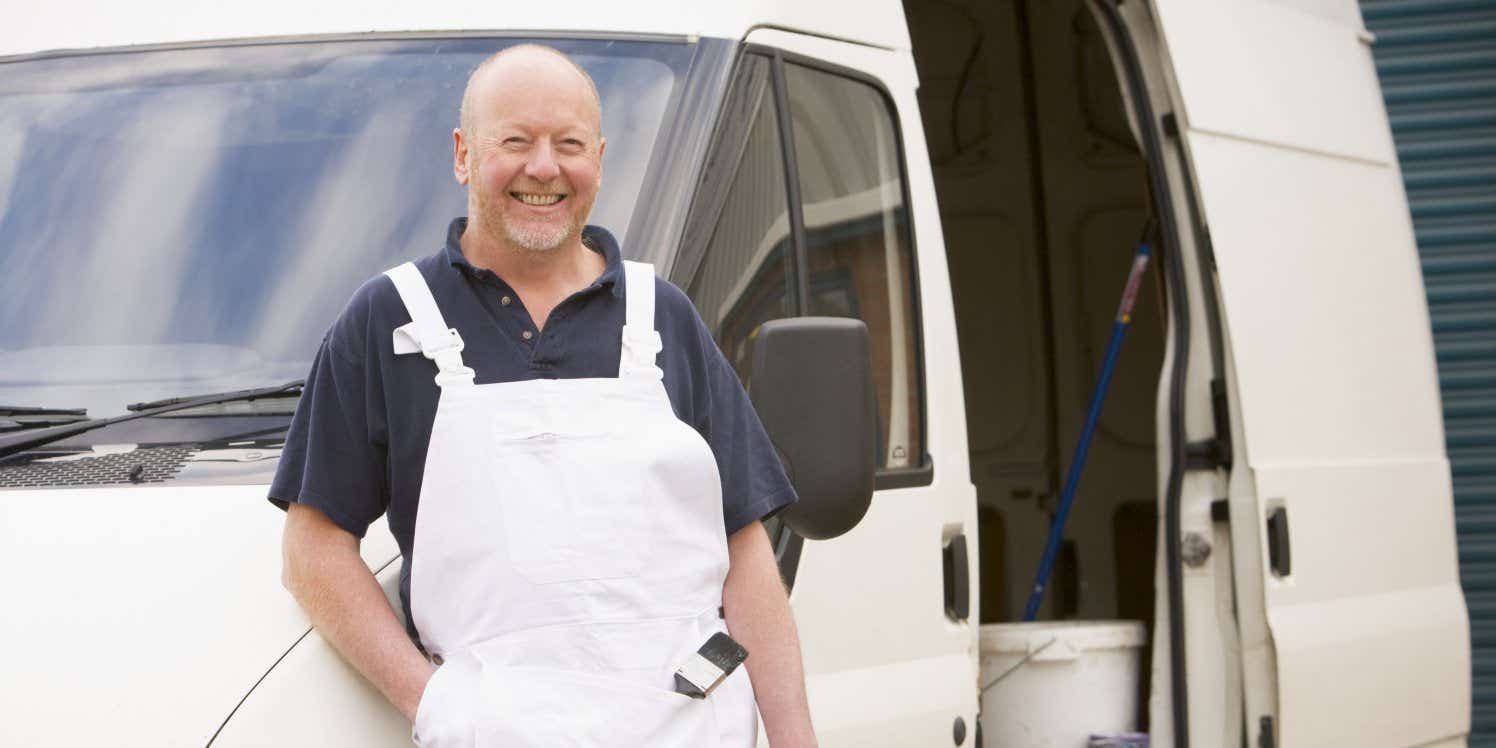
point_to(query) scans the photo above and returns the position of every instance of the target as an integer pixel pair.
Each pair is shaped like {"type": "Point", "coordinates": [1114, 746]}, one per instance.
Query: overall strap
{"type": "Point", "coordinates": [427, 332]}
{"type": "Point", "coordinates": [641, 343]}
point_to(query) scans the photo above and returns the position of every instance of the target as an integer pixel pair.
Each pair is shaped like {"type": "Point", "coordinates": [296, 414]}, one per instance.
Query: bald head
{"type": "Point", "coordinates": [529, 149]}
{"type": "Point", "coordinates": [528, 60]}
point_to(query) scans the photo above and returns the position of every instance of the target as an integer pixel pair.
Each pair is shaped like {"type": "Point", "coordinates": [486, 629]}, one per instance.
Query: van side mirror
{"type": "Point", "coordinates": [811, 382]}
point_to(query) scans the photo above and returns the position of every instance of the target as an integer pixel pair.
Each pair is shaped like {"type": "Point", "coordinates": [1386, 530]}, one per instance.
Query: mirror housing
{"type": "Point", "coordinates": [811, 382]}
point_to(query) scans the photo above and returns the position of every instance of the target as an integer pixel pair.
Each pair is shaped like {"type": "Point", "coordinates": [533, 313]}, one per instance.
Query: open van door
{"type": "Point", "coordinates": [812, 209]}
{"type": "Point", "coordinates": [1340, 494]}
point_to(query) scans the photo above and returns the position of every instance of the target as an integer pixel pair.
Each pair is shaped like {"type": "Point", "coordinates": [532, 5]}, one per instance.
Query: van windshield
{"type": "Point", "coordinates": [189, 221]}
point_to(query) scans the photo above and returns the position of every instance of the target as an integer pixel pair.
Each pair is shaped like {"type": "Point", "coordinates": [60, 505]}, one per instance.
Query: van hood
{"type": "Point", "coordinates": [141, 616]}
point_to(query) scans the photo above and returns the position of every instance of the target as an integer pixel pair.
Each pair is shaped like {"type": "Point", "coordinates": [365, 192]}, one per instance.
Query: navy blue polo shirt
{"type": "Point", "coordinates": [356, 447]}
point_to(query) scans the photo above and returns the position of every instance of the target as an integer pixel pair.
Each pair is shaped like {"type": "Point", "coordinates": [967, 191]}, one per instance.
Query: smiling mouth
{"type": "Point", "coordinates": [531, 198]}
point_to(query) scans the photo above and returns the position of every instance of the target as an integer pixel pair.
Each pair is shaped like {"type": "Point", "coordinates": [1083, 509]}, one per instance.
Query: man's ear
{"type": "Point", "coordinates": [459, 156]}
{"type": "Point", "coordinates": [602, 145]}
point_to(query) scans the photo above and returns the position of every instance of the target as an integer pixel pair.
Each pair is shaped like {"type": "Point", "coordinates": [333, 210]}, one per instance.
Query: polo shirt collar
{"type": "Point", "coordinates": [597, 238]}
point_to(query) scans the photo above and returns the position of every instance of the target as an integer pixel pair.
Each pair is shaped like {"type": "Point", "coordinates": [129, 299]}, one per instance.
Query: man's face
{"type": "Point", "coordinates": [532, 155]}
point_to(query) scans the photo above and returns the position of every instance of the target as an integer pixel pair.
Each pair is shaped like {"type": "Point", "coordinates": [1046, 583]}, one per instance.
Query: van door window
{"type": "Point", "coordinates": [857, 236]}
{"type": "Point", "coordinates": [743, 279]}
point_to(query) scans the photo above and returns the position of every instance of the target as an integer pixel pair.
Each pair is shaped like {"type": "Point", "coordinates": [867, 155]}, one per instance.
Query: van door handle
{"type": "Point", "coordinates": [957, 579]}
{"type": "Point", "coordinates": [1278, 555]}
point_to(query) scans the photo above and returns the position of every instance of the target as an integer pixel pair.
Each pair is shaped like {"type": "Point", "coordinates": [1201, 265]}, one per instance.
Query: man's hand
{"type": "Point", "coordinates": [758, 616]}
{"type": "Point", "coordinates": [325, 574]}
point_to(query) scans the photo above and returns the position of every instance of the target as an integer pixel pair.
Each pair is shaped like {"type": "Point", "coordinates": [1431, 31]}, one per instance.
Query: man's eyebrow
{"type": "Point", "coordinates": [506, 128]}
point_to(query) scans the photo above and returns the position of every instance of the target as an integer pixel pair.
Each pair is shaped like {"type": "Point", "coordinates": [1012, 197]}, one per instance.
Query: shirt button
{"type": "Point", "coordinates": [527, 334]}
{"type": "Point", "coordinates": [505, 301]}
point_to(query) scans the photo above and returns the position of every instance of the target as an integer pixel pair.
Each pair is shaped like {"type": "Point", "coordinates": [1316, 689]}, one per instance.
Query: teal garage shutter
{"type": "Point", "coordinates": [1437, 63]}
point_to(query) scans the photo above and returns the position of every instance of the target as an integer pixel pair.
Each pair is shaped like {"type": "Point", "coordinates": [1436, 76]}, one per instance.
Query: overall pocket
{"type": "Point", "coordinates": [444, 717]}
{"type": "Point", "coordinates": [535, 707]}
{"type": "Point", "coordinates": [571, 506]}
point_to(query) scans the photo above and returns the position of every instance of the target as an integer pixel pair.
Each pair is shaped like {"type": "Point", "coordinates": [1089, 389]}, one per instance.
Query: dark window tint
{"type": "Point", "coordinates": [742, 280]}
{"type": "Point", "coordinates": [857, 237]}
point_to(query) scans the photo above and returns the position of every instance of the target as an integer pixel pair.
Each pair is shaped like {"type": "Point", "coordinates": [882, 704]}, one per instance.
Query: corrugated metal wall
{"type": "Point", "coordinates": [1437, 62]}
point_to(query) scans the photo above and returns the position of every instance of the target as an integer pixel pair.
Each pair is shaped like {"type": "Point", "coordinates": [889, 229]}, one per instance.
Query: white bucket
{"type": "Point", "coordinates": [1053, 684]}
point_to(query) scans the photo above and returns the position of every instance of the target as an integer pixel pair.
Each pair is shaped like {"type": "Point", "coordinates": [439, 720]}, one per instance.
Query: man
{"type": "Point", "coordinates": [571, 469]}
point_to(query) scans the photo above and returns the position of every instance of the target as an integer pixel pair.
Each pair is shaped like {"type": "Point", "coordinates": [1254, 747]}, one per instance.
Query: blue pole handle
{"type": "Point", "coordinates": [1087, 432]}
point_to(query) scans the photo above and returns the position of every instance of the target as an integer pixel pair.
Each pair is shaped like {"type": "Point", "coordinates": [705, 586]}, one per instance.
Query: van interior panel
{"type": "Point", "coordinates": [1041, 223]}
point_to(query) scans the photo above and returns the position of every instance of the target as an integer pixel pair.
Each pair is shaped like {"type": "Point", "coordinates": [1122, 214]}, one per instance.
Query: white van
{"type": "Point", "coordinates": [189, 191]}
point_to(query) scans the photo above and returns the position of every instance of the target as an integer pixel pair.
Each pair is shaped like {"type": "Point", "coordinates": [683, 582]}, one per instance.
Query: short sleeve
{"type": "Point", "coordinates": [754, 484]}
{"type": "Point", "coordinates": [330, 460]}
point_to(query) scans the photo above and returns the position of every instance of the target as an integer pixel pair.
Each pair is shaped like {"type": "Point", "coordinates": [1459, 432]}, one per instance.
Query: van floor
{"type": "Point", "coordinates": [1043, 200]}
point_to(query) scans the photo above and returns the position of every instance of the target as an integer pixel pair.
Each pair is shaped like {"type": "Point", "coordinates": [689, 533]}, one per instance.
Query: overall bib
{"type": "Point", "coordinates": [569, 553]}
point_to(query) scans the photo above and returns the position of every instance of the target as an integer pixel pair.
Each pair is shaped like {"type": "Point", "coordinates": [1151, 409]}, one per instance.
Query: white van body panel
{"type": "Point", "coordinates": [1317, 90]}
{"type": "Point", "coordinates": [185, 610]}
{"type": "Point", "coordinates": [72, 24]}
{"type": "Point", "coordinates": [1329, 357]}
{"type": "Point", "coordinates": [884, 665]}
{"type": "Point", "coordinates": [314, 697]}
{"type": "Point", "coordinates": [1327, 331]}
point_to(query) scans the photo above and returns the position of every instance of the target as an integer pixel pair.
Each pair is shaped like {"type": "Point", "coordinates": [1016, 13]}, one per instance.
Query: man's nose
{"type": "Point", "coordinates": [542, 164]}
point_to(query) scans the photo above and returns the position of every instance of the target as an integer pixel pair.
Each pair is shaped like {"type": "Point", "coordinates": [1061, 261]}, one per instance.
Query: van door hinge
{"type": "Point", "coordinates": [1214, 452]}
{"type": "Point", "coordinates": [1220, 510]}
{"type": "Point", "coordinates": [1203, 455]}
{"type": "Point", "coordinates": [1170, 124]}
{"type": "Point", "coordinates": [1265, 733]}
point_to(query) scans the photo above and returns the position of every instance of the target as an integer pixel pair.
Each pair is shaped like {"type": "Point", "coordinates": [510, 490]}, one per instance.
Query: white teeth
{"type": "Point", "coordinates": [531, 199]}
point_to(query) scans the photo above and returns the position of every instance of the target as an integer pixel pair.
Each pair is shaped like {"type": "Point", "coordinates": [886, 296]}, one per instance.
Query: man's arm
{"type": "Point", "coordinates": [758, 616]}
{"type": "Point", "coordinates": [325, 574]}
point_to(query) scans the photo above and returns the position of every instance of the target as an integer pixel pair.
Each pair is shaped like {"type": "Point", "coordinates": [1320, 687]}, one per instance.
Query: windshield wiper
{"type": "Point", "coordinates": [286, 390]}
{"type": "Point", "coordinates": [17, 443]}
{"type": "Point", "coordinates": [16, 417]}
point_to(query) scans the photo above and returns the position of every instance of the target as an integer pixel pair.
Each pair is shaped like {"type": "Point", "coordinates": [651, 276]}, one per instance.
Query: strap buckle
{"type": "Point", "coordinates": [640, 347]}
{"type": "Point", "coordinates": [446, 351]}
{"type": "Point", "coordinates": [452, 341]}
{"type": "Point", "coordinates": [645, 343]}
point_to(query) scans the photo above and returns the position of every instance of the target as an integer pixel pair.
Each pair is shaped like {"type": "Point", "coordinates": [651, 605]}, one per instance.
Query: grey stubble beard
{"type": "Point", "coordinates": [539, 240]}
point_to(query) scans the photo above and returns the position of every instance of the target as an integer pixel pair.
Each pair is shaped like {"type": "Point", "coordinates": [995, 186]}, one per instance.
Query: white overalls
{"type": "Point", "coordinates": [569, 553]}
